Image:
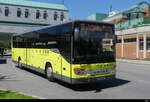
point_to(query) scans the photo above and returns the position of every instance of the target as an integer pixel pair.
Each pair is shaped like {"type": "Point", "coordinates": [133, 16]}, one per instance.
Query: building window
{"type": "Point", "coordinates": [0, 10]}
{"type": "Point", "coordinates": [55, 16]}
{"type": "Point", "coordinates": [148, 43]}
{"type": "Point", "coordinates": [119, 41]}
{"type": "Point", "coordinates": [141, 43]}
{"type": "Point", "coordinates": [62, 16]}
{"type": "Point", "coordinates": [18, 12]}
{"type": "Point", "coordinates": [142, 14]}
{"type": "Point", "coordinates": [37, 14]}
{"type": "Point", "coordinates": [45, 15]}
{"type": "Point", "coordinates": [6, 11]}
{"type": "Point", "coordinates": [129, 40]}
{"type": "Point", "coordinates": [134, 15]}
{"type": "Point", "coordinates": [26, 13]}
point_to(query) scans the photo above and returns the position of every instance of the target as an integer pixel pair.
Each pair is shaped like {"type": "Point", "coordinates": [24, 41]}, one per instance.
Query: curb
{"type": "Point", "coordinates": [23, 93]}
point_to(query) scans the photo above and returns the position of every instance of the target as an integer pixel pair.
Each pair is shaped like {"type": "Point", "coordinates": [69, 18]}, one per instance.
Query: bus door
{"type": "Point", "coordinates": [66, 58]}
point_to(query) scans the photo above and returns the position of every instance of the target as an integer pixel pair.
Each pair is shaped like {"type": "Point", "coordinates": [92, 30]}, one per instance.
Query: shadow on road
{"type": "Point", "coordinates": [7, 78]}
{"type": "Point", "coordinates": [3, 77]}
{"type": "Point", "coordinates": [97, 87]}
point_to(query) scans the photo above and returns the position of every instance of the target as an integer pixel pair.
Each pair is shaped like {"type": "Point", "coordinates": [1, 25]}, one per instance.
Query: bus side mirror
{"type": "Point", "coordinates": [55, 50]}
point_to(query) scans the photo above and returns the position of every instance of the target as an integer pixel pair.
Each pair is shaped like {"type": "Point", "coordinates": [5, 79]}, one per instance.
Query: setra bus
{"type": "Point", "coordinates": [75, 52]}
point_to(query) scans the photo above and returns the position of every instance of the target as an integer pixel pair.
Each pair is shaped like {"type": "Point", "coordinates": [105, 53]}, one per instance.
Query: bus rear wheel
{"type": "Point", "coordinates": [49, 73]}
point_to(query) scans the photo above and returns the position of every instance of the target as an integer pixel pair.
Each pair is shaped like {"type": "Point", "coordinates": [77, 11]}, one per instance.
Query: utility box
{"type": "Point", "coordinates": [3, 60]}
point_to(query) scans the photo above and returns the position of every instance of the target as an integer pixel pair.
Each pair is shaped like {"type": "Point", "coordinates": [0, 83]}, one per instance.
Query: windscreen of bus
{"type": "Point", "coordinates": [94, 43]}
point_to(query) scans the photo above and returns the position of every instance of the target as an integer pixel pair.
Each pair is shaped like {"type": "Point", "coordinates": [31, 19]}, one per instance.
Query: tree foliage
{"type": "Point", "coordinates": [5, 43]}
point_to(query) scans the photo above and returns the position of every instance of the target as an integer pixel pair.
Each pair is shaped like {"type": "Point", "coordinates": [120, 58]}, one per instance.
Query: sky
{"type": "Point", "coordinates": [81, 9]}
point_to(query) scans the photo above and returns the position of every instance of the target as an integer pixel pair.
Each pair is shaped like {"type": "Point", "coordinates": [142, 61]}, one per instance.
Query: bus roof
{"type": "Point", "coordinates": [73, 21]}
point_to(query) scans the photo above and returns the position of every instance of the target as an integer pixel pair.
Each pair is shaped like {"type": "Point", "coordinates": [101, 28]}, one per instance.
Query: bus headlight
{"type": "Point", "coordinates": [80, 71]}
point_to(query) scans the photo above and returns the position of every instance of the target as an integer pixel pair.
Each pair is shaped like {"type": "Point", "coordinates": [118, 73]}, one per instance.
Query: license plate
{"type": "Point", "coordinates": [101, 71]}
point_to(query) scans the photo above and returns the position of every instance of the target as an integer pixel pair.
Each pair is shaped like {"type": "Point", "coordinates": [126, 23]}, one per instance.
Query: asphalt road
{"type": "Point", "coordinates": [133, 82]}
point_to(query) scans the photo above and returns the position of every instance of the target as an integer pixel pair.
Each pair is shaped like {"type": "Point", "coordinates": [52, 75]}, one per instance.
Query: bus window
{"type": "Point", "coordinates": [94, 43]}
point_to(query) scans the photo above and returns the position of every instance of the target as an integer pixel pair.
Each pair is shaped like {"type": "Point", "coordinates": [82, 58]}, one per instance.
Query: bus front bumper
{"type": "Point", "coordinates": [92, 80]}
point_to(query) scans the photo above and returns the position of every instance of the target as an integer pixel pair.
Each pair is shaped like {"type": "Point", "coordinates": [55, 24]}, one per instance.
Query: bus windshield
{"type": "Point", "coordinates": [94, 43]}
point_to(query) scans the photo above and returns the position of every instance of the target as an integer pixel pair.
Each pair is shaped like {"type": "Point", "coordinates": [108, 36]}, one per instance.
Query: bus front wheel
{"type": "Point", "coordinates": [49, 73]}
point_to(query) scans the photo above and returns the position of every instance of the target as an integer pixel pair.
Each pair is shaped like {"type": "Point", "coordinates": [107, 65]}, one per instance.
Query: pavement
{"type": "Point", "coordinates": [133, 61]}
{"type": "Point", "coordinates": [132, 82]}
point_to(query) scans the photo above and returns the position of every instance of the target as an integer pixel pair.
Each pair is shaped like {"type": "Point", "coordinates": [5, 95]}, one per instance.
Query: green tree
{"type": "Point", "coordinates": [7, 44]}
{"type": "Point", "coordinates": [2, 44]}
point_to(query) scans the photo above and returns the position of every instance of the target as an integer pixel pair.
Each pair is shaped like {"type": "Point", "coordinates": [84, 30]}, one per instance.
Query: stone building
{"type": "Point", "coordinates": [19, 15]}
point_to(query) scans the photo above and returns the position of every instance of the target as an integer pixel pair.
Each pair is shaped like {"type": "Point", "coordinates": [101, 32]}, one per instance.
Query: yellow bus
{"type": "Point", "coordinates": [75, 52]}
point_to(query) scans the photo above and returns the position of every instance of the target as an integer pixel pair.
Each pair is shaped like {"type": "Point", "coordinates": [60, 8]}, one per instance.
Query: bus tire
{"type": "Point", "coordinates": [19, 63]}
{"type": "Point", "coordinates": [49, 73]}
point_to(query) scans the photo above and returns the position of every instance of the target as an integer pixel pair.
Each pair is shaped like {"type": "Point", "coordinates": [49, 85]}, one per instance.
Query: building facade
{"type": "Point", "coordinates": [19, 15]}
{"type": "Point", "coordinates": [97, 16]}
{"type": "Point", "coordinates": [132, 27]}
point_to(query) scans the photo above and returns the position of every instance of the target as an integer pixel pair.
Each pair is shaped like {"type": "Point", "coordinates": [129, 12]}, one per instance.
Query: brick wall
{"type": "Point", "coordinates": [118, 50]}
{"type": "Point", "coordinates": [129, 50]}
{"type": "Point", "coordinates": [147, 10]}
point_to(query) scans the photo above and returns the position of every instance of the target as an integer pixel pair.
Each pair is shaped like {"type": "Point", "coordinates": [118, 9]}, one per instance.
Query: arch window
{"type": "Point", "coordinates": [38, 14]}
{"type": "Point", "coordinates": [45, 15]}
{"type": "Point", "coordinates": [26, 13]}
{"type": "Point", "coordinates": [6, 11]}
{"type": "Point", "coordinates": [19, 12]}
{"type": "Point", "coordinates": [62, 16]}
{"type": "Point", "coordinates": [55, 16]}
